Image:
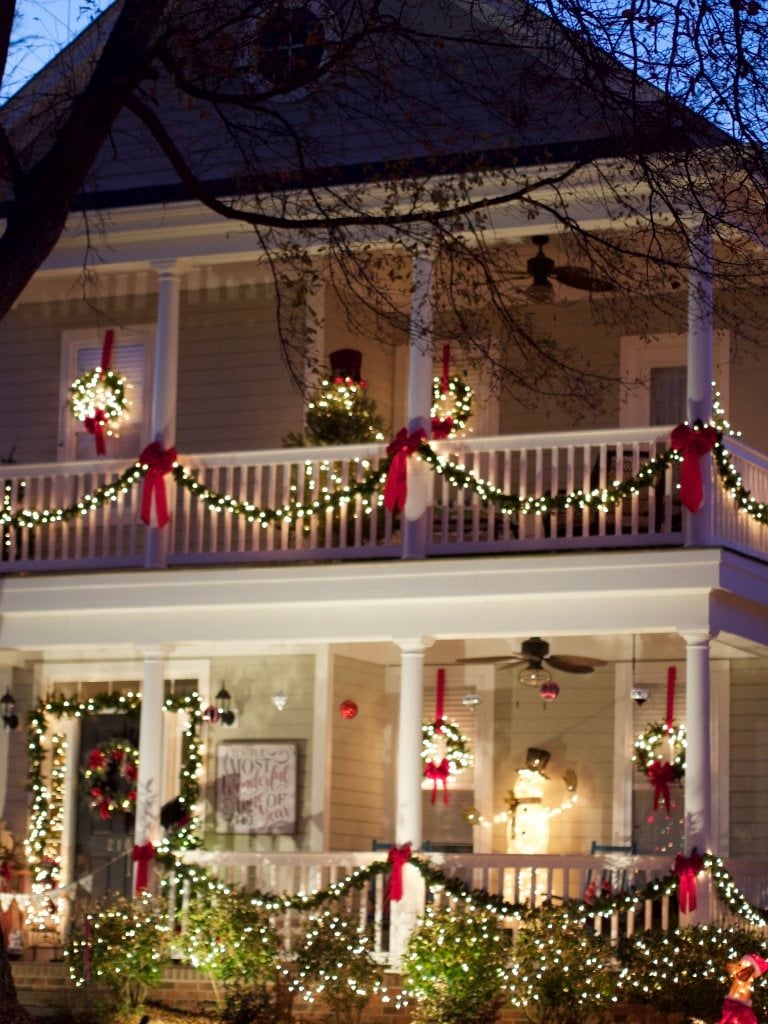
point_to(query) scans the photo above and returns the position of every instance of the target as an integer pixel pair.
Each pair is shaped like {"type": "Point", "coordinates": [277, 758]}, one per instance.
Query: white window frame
{"type": "Point", "coordinates": [72, 341]}
{"type": "Point", "coordinates": [639, 355]}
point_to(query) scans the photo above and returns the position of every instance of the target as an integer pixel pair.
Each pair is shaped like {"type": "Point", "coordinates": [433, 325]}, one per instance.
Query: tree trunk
{"type": "Point", "coordinates": [11, 1012]}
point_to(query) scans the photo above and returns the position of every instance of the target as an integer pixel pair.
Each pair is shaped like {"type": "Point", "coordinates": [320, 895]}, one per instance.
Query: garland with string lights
{"type": "Point", "coordinates": [372, 479]}
{"type": "Point", "coordinates": [44, 841]}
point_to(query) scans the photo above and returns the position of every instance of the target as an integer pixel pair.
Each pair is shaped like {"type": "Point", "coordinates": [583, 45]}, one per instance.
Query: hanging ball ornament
{"type": "Point", "coordinates": [280, 699]}
{"type": "Point", "coordinates": [549, 691]}
{"type": "Point", "coordinates": [211, 714]}
{"type": "Point", "coordinates": [471, 700]}
{"type": "Point", "coordinates": [348, 709]}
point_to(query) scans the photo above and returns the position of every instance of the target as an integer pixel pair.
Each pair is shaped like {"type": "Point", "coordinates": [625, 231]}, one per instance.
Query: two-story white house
{"type": "Point", "coordinates": [282, 577]}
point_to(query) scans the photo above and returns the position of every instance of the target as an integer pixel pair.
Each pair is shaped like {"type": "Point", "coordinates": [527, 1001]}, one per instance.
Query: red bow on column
{"type": "Point", "coordinates": [399, 449]}
{"type": "Point", "coordinates": [661, 775]}
{"type": "Point", "coordinates": [692, 443]}
{"type": "Point", "coordinates": [686, 869]}
{"type": "Point", "coordinates": [398, 856]}
{"type": "Point", "coordinates": [438, 773]}
{"type": "Point", "coordinates": [141, 856]}
{"type": "Point", "coordinates": [159, 462]}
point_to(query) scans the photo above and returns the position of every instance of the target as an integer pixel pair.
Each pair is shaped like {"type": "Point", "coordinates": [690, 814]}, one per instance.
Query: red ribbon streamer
{"type": "Point", "coordinates": [440, 700]}
{"type": "Point", "coordinates": [438, 773]}
{"type": "Point", "coordinates": [160, 462]}
{"type": "Point", "coordinates": [671, 677]}
{"type": "Point", "coordinates": [106, 352]}
{"type": "Point", "coordinates": [661, 775]}
{"type": "Point", "coordinates": [95, 425]}
{"type": "Point", "coordinates": [141, 856]}
{"type": "Point", "coordinates": [397, 857]}
{"type": "Point", "coordinates": [399, 449]}
{"type": "Point", "coordinates": [692, 443]}
{"type": "Point", "coordinates": [686, 869]}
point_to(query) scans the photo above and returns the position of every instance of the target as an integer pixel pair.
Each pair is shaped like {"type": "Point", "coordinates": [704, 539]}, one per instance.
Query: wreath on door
{"type": "Point", "coordinates": [110, 776]}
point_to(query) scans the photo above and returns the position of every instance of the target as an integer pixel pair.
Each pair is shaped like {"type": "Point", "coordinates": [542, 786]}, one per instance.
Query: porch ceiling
{"type": "Point", "coordinates": [485, 605]}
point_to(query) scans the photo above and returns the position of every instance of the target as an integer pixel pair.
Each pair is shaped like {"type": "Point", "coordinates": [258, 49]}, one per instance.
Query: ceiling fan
{"type": "Point", "coordinates": [541, 268]}
{"type": "Point", "coordinates": [534, 655]}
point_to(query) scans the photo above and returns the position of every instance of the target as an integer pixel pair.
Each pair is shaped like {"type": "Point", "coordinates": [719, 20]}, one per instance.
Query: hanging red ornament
{"type": "Point", "coordinates": [549, 691]}
{"type": "Point", "coordinates": [211, 714]}
{"type": "Point", "coordinates": [348, 709]}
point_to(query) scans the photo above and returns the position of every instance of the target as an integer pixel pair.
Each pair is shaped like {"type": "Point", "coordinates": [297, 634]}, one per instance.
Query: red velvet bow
{"type": "Point", "coordinates": [95, 425]}
{"type": "Point", "coordinates": [398, 856]}
{"type": "Point", "coordinates": [686, 869]}
{"type": "Point", "coordinates": [441, 428]}
{"type": "Point", "coordinates": [141, 856]}
{"type": "Point", "coordinates": [160, 462]}
{"type": "Point", "coordinates": [438, 773]}
{"type": "Point", "coordinates": [399, 449]}
{"type": "Point", "coordinates": [661, 775]}
{"type": "Point", "coordinates": [692, 444]}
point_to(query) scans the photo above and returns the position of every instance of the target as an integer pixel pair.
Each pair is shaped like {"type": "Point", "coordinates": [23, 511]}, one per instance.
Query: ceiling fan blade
{"type": "Point", "coordinates": [574, 663]}
{"type": "Point", "coordinates": [501, 660]}
{"type": "Point", "coordinates": [577, 277]}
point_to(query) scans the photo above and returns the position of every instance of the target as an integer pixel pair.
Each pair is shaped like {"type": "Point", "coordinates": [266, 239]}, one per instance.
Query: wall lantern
{"type": "Point", "coordinates": [8, 711]}
{"type": "Point", "coordinates": [224, 707]}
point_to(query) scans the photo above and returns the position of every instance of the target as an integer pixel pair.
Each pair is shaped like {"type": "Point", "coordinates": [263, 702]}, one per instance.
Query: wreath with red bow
{"type": "Point", "coordinates": [661, 772]}
{"type": "Point", "coordinates": [110, 775]}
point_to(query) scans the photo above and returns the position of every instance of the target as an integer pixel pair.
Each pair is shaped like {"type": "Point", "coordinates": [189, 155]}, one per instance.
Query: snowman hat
{"type": "Point", "coordinates": [760, 965]}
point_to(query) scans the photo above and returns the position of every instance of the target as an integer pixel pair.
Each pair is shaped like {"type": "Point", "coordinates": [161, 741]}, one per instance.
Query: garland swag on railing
{"type": "Point", "coordinates": [370, 487]}
{"type": "Point", "coordinates": [436, 880]}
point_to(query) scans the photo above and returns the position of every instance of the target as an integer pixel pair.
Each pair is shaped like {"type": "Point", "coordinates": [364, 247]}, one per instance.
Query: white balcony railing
{"type": "Point", "coordinates": [235, 509]}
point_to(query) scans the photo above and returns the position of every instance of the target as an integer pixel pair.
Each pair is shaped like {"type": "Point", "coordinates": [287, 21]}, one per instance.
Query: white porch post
{"type": "Point", "coordinates": [698, 773]}
{"type": "Point", "coordinates": [165, 387]}
{"type": "Point", "coordinates": [147, 828]}
{"type": "Point", "coordinates": [408, 817]}
{"type": "Point", "coordinates": [420, 373]}
{"type": "Point", "coordinates": [700, 363]}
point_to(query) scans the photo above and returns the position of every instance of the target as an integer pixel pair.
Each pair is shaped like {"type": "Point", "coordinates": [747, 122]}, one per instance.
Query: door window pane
{"type": "Point", "coordinates": [668, 395]}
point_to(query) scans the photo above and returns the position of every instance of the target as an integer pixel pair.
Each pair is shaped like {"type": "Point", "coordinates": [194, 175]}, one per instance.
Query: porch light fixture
{"type": "Point", "coordinates": [224, 707]}
{"type": "Point", "coordinates": [534, 674]}
{"type": "Point", "coordinates": [8, 711]}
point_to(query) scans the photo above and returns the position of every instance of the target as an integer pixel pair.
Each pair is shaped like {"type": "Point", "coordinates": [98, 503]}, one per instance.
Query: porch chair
{"type": "Point", "coordinates": [616, 875]}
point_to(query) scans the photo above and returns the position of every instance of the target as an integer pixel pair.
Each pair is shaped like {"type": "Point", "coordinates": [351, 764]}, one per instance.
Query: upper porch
{"type": "Point", "coordinates": [544, 492]}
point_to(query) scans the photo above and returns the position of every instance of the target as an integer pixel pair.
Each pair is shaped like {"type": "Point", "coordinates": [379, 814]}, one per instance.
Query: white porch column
{"type": "Point", "coordinates": [165, 386]}
{"type": "Point", "coordinates": [147, 828]}
{"type": "Point", "coordinates": [700, 363]}
{"type": "Point", "coordinates": [698, 772]}
{"type": "Point", "coordinates": [420, 374]}
{"type": "Point", "coordinates": [408, 817]}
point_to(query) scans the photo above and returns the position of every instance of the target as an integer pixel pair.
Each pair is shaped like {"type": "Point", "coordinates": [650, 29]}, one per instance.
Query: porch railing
{"type": "Point", "coordinates": [518, 879]}
{"type": "Point", "coordinates": [214, 521]}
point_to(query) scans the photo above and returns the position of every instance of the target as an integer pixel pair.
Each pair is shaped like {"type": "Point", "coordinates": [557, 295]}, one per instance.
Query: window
{"type": "Point", "coordinates": [291, 45]}
{"type": "Point", "coordinates": [655, 372]}
{"type": "Point", "coordinates": [131, 356]}
{"type": "Point", "coordinates": [669, 394]}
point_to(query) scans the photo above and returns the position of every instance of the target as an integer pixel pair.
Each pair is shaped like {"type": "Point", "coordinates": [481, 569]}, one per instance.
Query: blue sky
{"type": "Point", "coordinates": [42, 28]}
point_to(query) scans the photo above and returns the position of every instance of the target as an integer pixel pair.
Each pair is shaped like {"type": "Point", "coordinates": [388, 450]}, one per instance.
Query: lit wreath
{"type": "Point", "coordinates": [449, 744]}
{"type": "Point", "coordinates": [110, 774]}
{"type": "Point", "coordinates": [99, 397]}
{"type": "Point", "coordinates": [451, 406]}
{"type": "Point", "coordinates": [655, 736]}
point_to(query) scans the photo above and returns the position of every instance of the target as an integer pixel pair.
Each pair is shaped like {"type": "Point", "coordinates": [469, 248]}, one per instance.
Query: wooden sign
{"type": "Point", "coordinates": [256, 787]}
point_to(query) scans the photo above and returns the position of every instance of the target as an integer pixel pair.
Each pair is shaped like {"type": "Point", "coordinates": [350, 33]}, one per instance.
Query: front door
{"type": "Point", "coordinates": [103, 844]}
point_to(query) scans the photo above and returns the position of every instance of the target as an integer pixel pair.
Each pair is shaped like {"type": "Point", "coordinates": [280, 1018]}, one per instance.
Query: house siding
{"type": "Point", "coordinates": [749, 766]}
{"type": "Point", "coordinates": [363, 755]}
{"type": "Point", "coordinates": [251, 683]}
